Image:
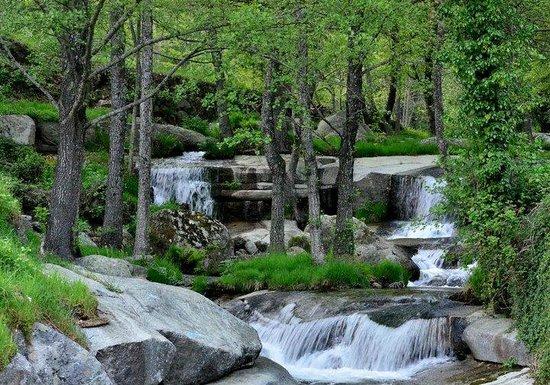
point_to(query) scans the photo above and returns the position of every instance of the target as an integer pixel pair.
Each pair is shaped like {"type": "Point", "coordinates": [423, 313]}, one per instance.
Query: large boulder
{"type": "Point", "coordinates": [185, 228]}
{"type": "Point", "coordinates": [47, 135]}
{"type": "Point", "coordinates": [369, 246]}
{"type": "Point", "coordinates": [159, 333]}
{"type": "Point", "coordinates": [52, 358]}
{"type": "Point", "coordinates": [19, 128]}
{"type": "Point", "coordinates": [495, 340]}
{"type": "Point", "coordinates": [333, 125]}
{"type": "Point", "coordinates": [521, 377]}
{"type": "Point", "coordinates": [107, 266]}
{"type": "Point", "coordinates": [264, 372]}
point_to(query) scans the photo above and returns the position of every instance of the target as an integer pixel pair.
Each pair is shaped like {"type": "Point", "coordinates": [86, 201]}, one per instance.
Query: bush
{"type": "Point", "coordinates": [163, 270]}
{"type": "Point", "coordinates": [165, 145]}
{"type": "Point", "coordinates": [196, 124]}
{"type": "Point", "coordinates": [22, 162]}
{"type": "Point", "coordinates": [217, 150]}
{"type": "Point", "coordinates": [200, 284]}
{"type": "Point", "coordinates": [372, 212]}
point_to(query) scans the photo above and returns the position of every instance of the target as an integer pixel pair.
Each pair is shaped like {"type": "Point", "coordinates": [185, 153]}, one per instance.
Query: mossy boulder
{"type": "Point", "coordinates": [185, 228]}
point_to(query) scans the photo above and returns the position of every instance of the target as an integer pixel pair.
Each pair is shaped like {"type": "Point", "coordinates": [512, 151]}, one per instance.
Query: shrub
{"type": "Point", "coordinates": [372, 212]}
{"type": "Point", "coordinates": [195, 123]}
{"type": "Point", "coordinates": [217, 150]}
{"type": "Point", "coordinates": [164, 271]}
{"type": "Point", "coordinates": [165, 145]}
{"type": "Point", "coordinates": [22, 162]}
{"type": "Point", "coordinates": [300, 241]}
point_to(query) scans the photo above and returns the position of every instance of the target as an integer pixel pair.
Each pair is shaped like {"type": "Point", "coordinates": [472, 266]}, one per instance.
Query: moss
{"type": "Point", "coordinates": [300, 241]}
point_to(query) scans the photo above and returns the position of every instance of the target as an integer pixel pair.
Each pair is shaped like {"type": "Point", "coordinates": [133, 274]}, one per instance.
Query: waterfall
{"type": "Point", "coordinates": [433, 272]}
{"type": "Point", "coordinates": [184, 182]}
{"type": "Point", "coordinates": [349, 348]}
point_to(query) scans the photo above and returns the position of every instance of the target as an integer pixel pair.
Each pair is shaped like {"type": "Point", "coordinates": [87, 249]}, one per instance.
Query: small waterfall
{"type": "Point", "coordinates": [348, 348]}
{"type": "Point", "coordinates": [433, 272]}
{"type": "Point", "coordinates": [185, 182]}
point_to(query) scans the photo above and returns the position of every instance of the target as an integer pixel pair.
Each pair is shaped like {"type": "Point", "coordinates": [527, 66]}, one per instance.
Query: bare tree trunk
{"type": "Point", "coordinates": [141, 246]}
{"type": "Point", "coordinates": [390, 101]}
{"type": "Point", "coordinates": [67, 186]}
{"type": "Point", "coordinates": [134, 137]}
{"type": "Point", "coordinates": [113, 221]}
{"type": "Point", "coordinates": [438, 85]}
{"type": "Point", "coordinates": [343, 236]}
{"type": "Point", "coordinates": [275, 162]}
{"type": "Point", "coordinates": [314, 200]}
{"type": "Point", "coordinates": [221, 100]}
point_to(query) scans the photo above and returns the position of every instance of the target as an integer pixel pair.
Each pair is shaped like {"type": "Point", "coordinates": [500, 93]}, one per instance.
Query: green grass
{"type": "Point", "coordinates": [188, 259]}
{"type": "Point", "coordinates": [105, 251]}
{"type": "Point", "coordinates": [163, 270]}
{"type": "Point", "coordinates": [406, 142]}
{"type": "Point", "coordinates": [372, 212]}
{"type": "Point", "coordinates": [283, 272]}
{"type": "Point", "coordinates": [26, 294]}
{"type": "Point", "coordinates": [40, 110]}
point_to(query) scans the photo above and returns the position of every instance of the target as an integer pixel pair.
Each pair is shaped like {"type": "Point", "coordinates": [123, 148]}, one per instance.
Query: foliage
{"type": "Point", "coordinates": [300, 241]}
{"type": "Point", "coordinates": [200, 284]}
{"type": "Point", "coordinates": [163, 270]}
{"type": "Point", "coordinates": [284, 272]}
{"type": "Point", "coordinates": [387, 272]}
{"type": "Point", "coordinates": [166, 145]}
{"type": "Point", "coordinates": [26, 294]}
{"type": "Point", "coordinates": [188, 259]}
{"type": "Point", "coordinates": [22, 162]}
{"type": "Point", "coordinates": [41, 111]}
{"type": "Point", "coordinates": [372, 212]}
{"type": "Point", "coordinates": [407, 142]}
{"type": "Point", "coordinates": [197, 124]}
{"type": "Point", "coordinates": [217, 150]}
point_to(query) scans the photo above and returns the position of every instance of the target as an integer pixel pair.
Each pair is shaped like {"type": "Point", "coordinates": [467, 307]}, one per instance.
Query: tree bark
{"type": "Point", "coordinates": [314, 201]}
{"type": "Point", "coordinates": [113, 219]}
{"type": "Point", "coordinates": [134, 136]}
{"type": "Point", "coordinates": [141, 246]}
{"type": "Point", "coordinates": [275, 162]}
{"type": "Point", "coordinates": [65, 195]}
{"type": "Point", "coordinates": [343, 235]}
{"type": "Point", "coordinates": [221, 99]}
{"type": "Point", "coordinates": [438, 84]}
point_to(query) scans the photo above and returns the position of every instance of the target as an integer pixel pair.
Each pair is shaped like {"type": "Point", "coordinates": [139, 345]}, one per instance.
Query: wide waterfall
{"type": "Point", "coordinates": [183, 182]}
{"type": "Point", "coordinates": [351, 348]}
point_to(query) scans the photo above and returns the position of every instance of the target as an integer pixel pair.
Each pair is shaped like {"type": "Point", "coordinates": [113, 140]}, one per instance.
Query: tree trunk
{"type": "Point", "coordinates": [141, 246]}
{"type": "Point", "coordinates": [390, 102]}
{"type": "Point", "coordinates": [314, 201]}
{"type": "Point", "coordinates": [65, 195]}
{"type": "Point", "coordinates": [221, 100]}
{"type": "Point", "coordinates": [343, 239]}
{"type": "Point", "coordinates": [113, 220]}
{"type": "Point", "coordinates": [275, 162]}
{"type": "Point", "coordinates": [134, 136]}
{"type": "Point", "coordinates": [438, 85]}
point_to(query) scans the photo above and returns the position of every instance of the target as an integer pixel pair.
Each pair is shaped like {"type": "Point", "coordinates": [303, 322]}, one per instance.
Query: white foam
{"type": "Point", "coordinates": [433, 273]}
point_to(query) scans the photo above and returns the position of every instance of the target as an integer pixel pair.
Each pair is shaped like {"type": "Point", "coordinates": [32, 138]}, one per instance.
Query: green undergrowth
{"type": "Point", "coordinates": [163, 270]}
{"type": "Point", "coordinates": [406, 142]}
{"type": "Point", "coordinates": [26, 294]}
{"type": "Point", "coordinates": [40, 110]}
{"type": "Point", "coordinates": [284, 272]}
{"type": "Point", "coordinates": [110, 252]}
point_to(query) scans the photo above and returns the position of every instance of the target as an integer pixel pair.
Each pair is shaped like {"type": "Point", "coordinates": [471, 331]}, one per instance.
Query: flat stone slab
{"type": "Point", "coordinates": [392, 165]}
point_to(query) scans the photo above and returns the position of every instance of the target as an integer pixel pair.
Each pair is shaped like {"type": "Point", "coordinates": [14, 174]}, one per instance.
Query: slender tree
{"type": "Point", "coordinates": [141, 246]}
{"type": "Point", "coordinates": [113, 219]}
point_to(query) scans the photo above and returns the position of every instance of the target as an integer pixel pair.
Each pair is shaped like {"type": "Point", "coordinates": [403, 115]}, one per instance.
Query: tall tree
{"type": "Point", "coordinates": [437, 77]}
{"type": "Point", "coordinates": [113, 219]}
{"type": "Point", "coordinates": [344, 239]}
{"type": "Point", "coordinates": [275, 161]}
{"type": "Point", "coordinates": [141, 246]}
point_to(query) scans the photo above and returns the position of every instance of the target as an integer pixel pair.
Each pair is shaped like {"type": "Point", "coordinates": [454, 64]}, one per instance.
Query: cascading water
{"type": "Point", "coordinates": [184, 182]}
{"type": "Point", "coordinates": [415, 198]}
{"type": "Point", "coordinates": [352, 348]}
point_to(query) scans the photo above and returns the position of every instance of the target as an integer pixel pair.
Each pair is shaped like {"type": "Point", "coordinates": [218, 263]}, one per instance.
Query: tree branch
{"type": "Point", "coordinates": [26, 73]}
{"type": "Point", "coordinates": [186, 59]}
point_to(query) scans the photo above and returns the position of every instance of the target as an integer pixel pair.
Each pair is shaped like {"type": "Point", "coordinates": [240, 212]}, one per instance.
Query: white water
{"type": "Point", "coordinates": [352, 348]}
{"type": "Point", "coordinates": [187, 183]}
{"type": "Point", "coordinates": [433, 273]}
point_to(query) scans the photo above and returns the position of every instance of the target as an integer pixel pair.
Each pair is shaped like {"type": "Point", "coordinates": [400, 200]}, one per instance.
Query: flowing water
{"type": "Point", "coordinates": [345, 349]}
{"type": "Point", "coordinates": [415, 199]}
{"type": "Point", "coordinates": [183, 181]}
